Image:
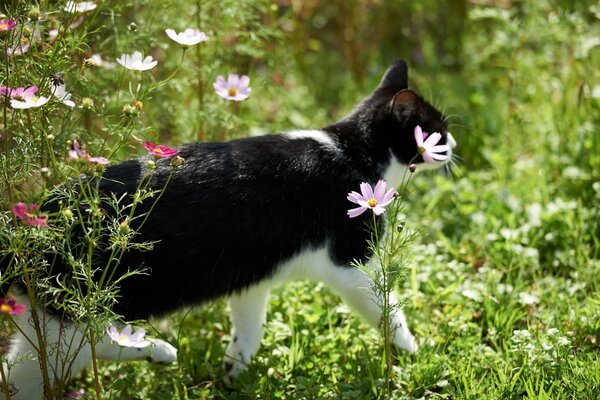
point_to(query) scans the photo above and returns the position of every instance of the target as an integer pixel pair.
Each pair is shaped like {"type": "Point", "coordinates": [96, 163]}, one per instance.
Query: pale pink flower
{"type": "Point", "coordinates": [137, 62]}
{"type": "Point", "coordinates": [368, 198]}
{"type": "Point", "coordinates": [29, 101]}
{"type": "Point", "coordinates": [29, 214]}
{"type": "Point", "coordinates": [19, 49]}
{"type": "Point", "coordinates": [427, 146]}
{"type": "Point", "coordinates": [77, 153]}
{"type": "Point", "coordinates": [159, 150]}
{"type": "Point", "coordinates": [75, 394]}
{"type": "Point", "coordinates": [79, 6]}
{"type": "Point", "coordinates": [236, 88]}
{"type": "Point", "coordinates": [60, 92]}
{"type": "Point", "coordinates": [11, 307]}
{"type": "Point", "coordinates": [127, 339]}
{"type": "Point", "coordinates": [187, 38]}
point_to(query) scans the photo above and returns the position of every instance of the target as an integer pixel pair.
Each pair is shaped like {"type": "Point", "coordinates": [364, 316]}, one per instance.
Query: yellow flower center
{"type": "Point", "coordinates": [158, 151]}
{"type": "Point", "coordinates": [4, 25]}
{"type": "Point", "coordinates": [123, 337]}
{"type": "Point", "coordinates": [232, 92]}
{"type": "Point", "coordinates": [372, 202]}
{"type": "Point", "coordinates": [5, 308]}
{"type": "Point", "coordinates": [422, 150]}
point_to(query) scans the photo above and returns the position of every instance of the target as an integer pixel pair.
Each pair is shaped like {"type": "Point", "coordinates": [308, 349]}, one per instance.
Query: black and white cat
{"type": "Point", "coordinates": [242, 216]}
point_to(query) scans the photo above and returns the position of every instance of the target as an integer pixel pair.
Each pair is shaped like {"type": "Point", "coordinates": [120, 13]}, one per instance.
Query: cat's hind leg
{"type": "Point", "coordinates": [248, 315]}
{"type": "Point", "coordinates": [357, 290]}
{"type": "Point", "coordinates": [159, 351]}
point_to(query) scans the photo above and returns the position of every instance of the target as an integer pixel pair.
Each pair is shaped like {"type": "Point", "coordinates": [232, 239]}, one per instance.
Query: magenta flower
{"type": "Point", "coordinates": [236, 88]}
{"type": "Point", "coordinates": [428, 147]}
{"type": "Point", "coordinates": [29, 214]}
{"type": "Point", "coordinates": [77, 153]}
{"type": "Point", "coordinates": [8, 24]}
{"type": "Point", "coordinates": [11, 307]}
{"type": "Point", "coordinates": [127, 339]}
{"type": "Point", "coordinates": [368, 198]}
{"type": "Point", "coordinates": [18, 93]}
{"type": "Point", "coordinates": [160, 151]}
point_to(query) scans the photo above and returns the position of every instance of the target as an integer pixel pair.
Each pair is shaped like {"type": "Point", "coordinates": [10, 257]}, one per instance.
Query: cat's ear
{"type": "Point", "coordinates": [405, 104]}
{"type": "Point", "coordinates": [396, 77]}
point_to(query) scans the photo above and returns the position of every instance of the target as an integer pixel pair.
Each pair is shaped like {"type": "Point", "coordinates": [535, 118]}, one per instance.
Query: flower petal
{"type": "Point", "coordinates": [355, 212]}
{"type": "Point", "coordinates": [366, 190]}
{"type": "Point", "coordinates": [379, 190]}
{"type": "Point", "coordinates": [439, 148]}
{"type": "Point", "coordinates": [427, 158]}
{"type": "Point", "coordinates": [439, 157]}
{"type": "Point", "coordinates": [432, 140]}
{"type": "Point", "coordinates": [418, 136]}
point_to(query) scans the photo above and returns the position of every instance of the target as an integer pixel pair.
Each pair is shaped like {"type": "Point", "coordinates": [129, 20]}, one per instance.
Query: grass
{"type": "Point", "coordinates": [503, 288]}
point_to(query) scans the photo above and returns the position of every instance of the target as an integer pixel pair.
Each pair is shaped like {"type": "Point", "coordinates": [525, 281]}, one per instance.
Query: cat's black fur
{"type": "Point", "coordinates": [236, 210]}
{"type": "Point", "coordinates": [235, 213]}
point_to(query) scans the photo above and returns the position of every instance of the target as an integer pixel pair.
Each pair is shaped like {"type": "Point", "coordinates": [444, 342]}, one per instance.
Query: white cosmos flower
{"type": "Point", "coordinates": [60, 92]}
{"type": "Point", "coordinates": [30, 101]}
{"type": "Point", "coordinates": [127, 339]}
{"type": "Point", "coordinates": [97, 61]}
{"type": "Point", "coordinates": [136, 62]}
{"type": "Point", "coordinates": [189, 37]}
{"type": "Point", "coordinates": [79, 6]}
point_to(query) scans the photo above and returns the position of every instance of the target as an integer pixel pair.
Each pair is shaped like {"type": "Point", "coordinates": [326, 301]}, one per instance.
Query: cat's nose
{"type": "Point", "coordinates": [450, 140]}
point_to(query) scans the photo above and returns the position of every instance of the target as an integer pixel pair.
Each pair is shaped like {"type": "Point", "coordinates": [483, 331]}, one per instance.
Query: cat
{"type": "Point", "coordinates": [242, 216]}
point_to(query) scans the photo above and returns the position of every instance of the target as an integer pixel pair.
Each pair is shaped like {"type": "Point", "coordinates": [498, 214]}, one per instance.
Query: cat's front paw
{"type": "Point", "coordinates": [235, 362]}
{"type": "Point", "coordinates": [161, 352]}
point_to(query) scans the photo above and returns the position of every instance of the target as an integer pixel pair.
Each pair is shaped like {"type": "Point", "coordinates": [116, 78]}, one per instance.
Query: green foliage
{"type": "Point", "coordinates": [503, 291]}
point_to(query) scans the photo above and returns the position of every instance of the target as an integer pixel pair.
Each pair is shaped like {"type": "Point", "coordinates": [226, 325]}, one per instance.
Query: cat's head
{"type": "Point", "coordinates": [399, 111]}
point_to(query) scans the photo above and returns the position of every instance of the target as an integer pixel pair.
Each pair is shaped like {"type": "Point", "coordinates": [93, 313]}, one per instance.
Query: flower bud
{"type": "Point", "coordinates": [412, 167]}
{"type": "Point", "coordinates": [68, 213]}
{"type": "Point", "coordinates": [177, 162]}
{"type": "Point", "coordinates": [129, 110]}
{"type": "Point", "coordinates": [124, 228]}
{"type": "Point", "coordinates": [133, 27]}
{"type": "Point", "coordinates": [138, 105]}
{"type": "Point", "coordinates": [150, 164]}
{"type": "Point", "coordinates": [87, 103]}
{"type": "Point", "coordinates": [34, 13]}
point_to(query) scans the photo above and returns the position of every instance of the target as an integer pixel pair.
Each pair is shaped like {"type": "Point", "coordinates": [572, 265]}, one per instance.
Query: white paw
{"type": "Point", "coordinates": [235, 362]}
{"type": "Point", "coordinates": [161, 352]}
{"type": "Point", "coordinates": [405, 340]}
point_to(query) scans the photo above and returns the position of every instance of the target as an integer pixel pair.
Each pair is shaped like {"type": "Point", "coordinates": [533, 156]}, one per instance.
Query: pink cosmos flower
{"type": "Point", "coordinates": [29, 214]}
{"type": "Point", "coordinates": [19, 49]}
{"type": "Point", "coordinates": [368, 198]}
{"type": "Point", "coordinates": [75, 394]}
{"type": "Point", "coordinates": [127, 339]}
{"type": "Point", "coordinates": [159, 150]}
{"type": "Point", "coordinates": [11, 307]}
{"type": "Point", "coordinates": [8, 24]}
{"type": "Point", "coordinates": [236, 88]}
{"type": "Point", "coordinates": [428, 147]}
{"type": "Point", "coordinates": [77, 153]}
{"type": "Point", "coordinates": [18, 93]}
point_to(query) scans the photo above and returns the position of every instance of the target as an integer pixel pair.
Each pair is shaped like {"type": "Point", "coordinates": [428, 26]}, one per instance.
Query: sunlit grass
{"type": "Point", "coordinates": [503, 289]}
